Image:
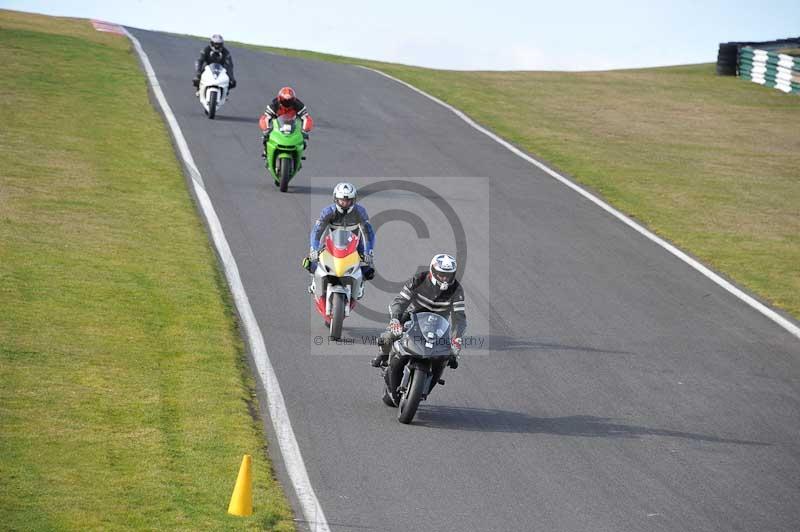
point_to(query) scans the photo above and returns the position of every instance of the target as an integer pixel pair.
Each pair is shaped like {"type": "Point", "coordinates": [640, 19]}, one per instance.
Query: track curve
{"type": "Point", "coordinates": [622, 391]}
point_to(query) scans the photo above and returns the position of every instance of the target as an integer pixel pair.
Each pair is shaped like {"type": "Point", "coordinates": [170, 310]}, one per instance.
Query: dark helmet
{"type": "Point", "coordinates": [443, 270]}
{"type": "Point", "coordinates": [217, 42]}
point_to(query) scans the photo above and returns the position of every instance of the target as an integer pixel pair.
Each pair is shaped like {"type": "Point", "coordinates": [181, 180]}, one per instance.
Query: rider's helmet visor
{"type": "Point", "coordinates": [444, 277]}
{"type": "Point", "coordinates": [344, 203]}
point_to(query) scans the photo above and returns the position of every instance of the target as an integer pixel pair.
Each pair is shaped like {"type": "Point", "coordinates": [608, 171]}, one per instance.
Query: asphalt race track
{"type": "Point", "coordinates": [610, 387]}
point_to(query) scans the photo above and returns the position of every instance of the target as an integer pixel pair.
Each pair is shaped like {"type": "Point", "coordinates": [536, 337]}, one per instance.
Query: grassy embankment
{"type": "Point", "coordinates": [125, 400]}
{"type": "Point", "coordinates": [710, 163]}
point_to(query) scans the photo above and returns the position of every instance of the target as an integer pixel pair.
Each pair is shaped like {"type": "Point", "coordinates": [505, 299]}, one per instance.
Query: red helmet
{"type": "Point", "coordinates": [286, 96]}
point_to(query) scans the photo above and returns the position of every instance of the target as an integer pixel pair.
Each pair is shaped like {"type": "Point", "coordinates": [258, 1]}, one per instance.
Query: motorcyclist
{"type": "Point", "coordinates": [344, 213]}
{"type": "Point", "coordinates": [285, 103]}
{"type": "Point", "coordinates": [215, 52]}
{"type": "Point", "coordinates": [437, 291]}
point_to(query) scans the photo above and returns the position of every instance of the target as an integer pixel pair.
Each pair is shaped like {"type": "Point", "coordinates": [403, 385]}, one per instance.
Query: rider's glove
{"type": "Point", "coordinates": [196, 83]}
{"type": "Point", "coordinates": [369, 258]}
{"type": "Point", "coordinates": [455, 346]}
{"type": "Point", "coordinates": [232, 84]}
{"type": "Point", "coordinates": [307, 264]}
{"type": "Point", "coordinates": [313, 255]}
{"type": "Point", "coordinates": [455, 352]}
{"type": "Point", "coordinates": [395, 327]}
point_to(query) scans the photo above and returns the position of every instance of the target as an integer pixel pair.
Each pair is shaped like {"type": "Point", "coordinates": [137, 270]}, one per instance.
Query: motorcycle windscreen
{"type": "Point", "coordinates": [286, 124]}
{"type": "Point", "coordinates": [432, 326]}
{"type": "Point", "coordinates": [341, 242]}
{"type": "Point", "coordinates": [428, 336]}
{"type": "Point", "coordinates": [216, 69]}
{"type": "Point", "coordinates": [342, 252]}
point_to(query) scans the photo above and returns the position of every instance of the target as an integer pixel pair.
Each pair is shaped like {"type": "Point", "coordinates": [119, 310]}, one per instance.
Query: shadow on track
{"type": "Point", "coordinates": [358, 332]}
{"type": "Point", "coordinates": [308, 189]}
{"type": "Point", "coordinates": [509, 343]}
{"type": "Point", "coordinates": [489, 420]}
{"type": "Point", "coordinates": [245, 119]}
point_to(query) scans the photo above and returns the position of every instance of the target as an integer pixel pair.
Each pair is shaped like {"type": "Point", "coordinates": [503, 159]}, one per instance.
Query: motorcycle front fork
{"type": "Point", "coordinates": [433, 377]}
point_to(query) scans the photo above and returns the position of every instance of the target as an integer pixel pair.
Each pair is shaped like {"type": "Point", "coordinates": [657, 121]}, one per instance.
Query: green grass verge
{"type": "Point", "coordinates": [710, 163]}
{"type": "Point", "coordinates": [126, 401]}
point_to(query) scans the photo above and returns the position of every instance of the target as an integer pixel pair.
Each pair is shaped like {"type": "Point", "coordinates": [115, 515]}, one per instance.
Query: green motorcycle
{"type": "Point", "coordinates": [284, 149]}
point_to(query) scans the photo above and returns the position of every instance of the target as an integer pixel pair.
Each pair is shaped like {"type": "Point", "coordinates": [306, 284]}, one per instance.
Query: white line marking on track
{"type": "Point", "coordinates": [287, 442]}
{"type": "Point", "coordinates": [760, 307]}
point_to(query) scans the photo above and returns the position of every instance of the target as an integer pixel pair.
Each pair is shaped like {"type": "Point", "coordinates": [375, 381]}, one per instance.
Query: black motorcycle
{"type": "Point", "coordinates": [417, 361]}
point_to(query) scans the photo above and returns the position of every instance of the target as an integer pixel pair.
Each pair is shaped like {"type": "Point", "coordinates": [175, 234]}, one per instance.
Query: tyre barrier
{"type": "Point", "coordinates": [727, 57]}
{"type": "Point", "coordinates": [729, 54]}
{"type": "Point", "coordinates": [772, 69]}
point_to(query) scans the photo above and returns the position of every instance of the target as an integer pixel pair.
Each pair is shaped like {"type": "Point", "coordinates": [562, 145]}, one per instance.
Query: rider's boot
{"type": "Point", "coordinates": [264, 138]}
{"type": "Point", "coordinates": [382, 358]}
{"type": "Point", "coordinates": [311, 284]}
{"type": "Point", "coordinates": [309, 266]}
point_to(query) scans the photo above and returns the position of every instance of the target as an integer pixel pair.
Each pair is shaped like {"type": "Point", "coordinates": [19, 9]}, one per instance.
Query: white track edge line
{"type": "Point", "coordinates": [287, 442]}
{"type": "Point", "coordinates": [757, 305]}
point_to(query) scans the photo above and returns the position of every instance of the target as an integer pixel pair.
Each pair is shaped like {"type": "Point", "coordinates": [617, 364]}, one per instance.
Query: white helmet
{"type": "Point", "coordinates": [344, 197]}
{"type": "Point", "coordinates": [443, 270]}
{"type": "Point", "coordinates": [216, 42]}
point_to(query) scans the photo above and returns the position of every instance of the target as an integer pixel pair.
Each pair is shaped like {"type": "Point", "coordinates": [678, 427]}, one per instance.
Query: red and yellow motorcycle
{"type": "Point", "coordinates": [338, 282]}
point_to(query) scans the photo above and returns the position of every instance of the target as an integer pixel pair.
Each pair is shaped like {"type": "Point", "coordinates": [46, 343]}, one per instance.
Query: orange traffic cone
{"type": "Point", "coordinates": [242, 498]}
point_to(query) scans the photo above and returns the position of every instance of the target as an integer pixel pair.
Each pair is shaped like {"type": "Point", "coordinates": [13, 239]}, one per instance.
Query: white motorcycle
{"type": "Point", "coordinates": [213, 89]}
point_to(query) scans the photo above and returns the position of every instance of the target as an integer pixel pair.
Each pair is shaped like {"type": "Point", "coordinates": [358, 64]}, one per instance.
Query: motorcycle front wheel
{"type": "Point", "coordinates": [286, 169]}
{"type": "Point", "coordinates": [337, 315]}
{"type": "Point", "coordinates": [411, 397]}
{"type": "Point", "coordinates": [212, 105]}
